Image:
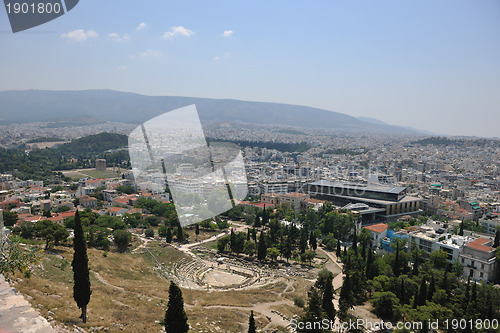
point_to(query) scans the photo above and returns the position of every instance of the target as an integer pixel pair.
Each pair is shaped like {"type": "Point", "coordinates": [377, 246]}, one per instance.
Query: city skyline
{"type": "Point", "coordinates": [432, 66]}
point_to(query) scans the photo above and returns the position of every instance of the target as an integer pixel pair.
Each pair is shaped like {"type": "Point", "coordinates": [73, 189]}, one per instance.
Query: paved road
{"type": "Point", "coordinates": [17, 315]}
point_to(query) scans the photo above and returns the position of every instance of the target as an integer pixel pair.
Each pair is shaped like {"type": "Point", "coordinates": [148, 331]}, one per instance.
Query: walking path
{"type": "Point", "coordinates": [17, 315]}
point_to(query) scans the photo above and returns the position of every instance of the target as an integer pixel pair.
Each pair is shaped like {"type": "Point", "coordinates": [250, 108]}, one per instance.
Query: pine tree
{"type": "Point", "coordinates": [327, 303]}
{"type": "Point", "coordinates": [80, 264]}
{"type": "Point", "coordinates": [262, 248]}
{"type": "Point", "coordinates": [251, 323]}
{"type": "Point", "coordinates": [169, 235]}
{"type": "Point", "coordinates": [175, 316]}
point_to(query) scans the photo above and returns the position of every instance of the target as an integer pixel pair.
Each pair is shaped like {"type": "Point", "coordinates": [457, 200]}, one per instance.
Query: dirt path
{"type": "Point", "coordinates": [339, 278]}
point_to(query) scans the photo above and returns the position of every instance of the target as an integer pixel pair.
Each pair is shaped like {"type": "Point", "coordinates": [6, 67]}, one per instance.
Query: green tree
{"type": "Point", "coordinates": [314, 312]}
{"type": "Point", "coordinates": [10, 218]}
{"type": "Point", "coordinates": [303, 239]}
{"type": "Point", "coordinates": [122, 239]}
{"type": "Point", "coordinates": [251, 323]}
{"type": "Point", "coordinates": [312, 241]}
{"type": "Point", "coordinates": [262, 248]}
{"type": "Point", "coordinates": [169, 235]}
{"type": "Point", "coordinates": [386, 305]}
{"type": "Point", "coordinates": [15, 258]}
{"type": "Point", "coordinates": [438, 259]}
{"type": "Point", "coordinates": [249, 248]}
{"type": "Point", "coordinates": [149, 233]}
{"type": "Point", "coordinates": [80, 264]}
{"type": "Point", "coordinates": [162, 231]}
{"type": "Point", "coordinates": [273, 253]}
{"type": "Point", "coordinates": [346, 298]}
{"type": "Point", "coordinates": [180, 234]}
{"type": "Point", "coordinates": [327, 301]}
{"type": "Point", "coordinates": [175, 316]}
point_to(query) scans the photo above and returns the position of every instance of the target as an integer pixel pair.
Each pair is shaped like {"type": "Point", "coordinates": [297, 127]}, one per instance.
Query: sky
{"type": "Point", "coordinates": [432, 65]}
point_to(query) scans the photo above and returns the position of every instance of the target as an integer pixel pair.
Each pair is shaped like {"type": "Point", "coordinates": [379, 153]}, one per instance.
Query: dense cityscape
{"type": "Point", "coordinates": [419, 215]}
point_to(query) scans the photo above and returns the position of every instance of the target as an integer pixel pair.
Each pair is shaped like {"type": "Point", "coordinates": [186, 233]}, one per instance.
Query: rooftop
{"type": "Point", "coordinates": [378, 228]}
{"type": "Point", "coordinates": [358, 186]}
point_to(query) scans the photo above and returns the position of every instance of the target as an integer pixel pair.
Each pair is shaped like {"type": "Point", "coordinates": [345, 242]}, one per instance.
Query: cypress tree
{"type": "Point", "coordinates": [355, 242]}
{"type": "Point", "coordinates": [180, 235]}
{"type": "Point", "coordinates": [432, 289]}
{"type": "Point", "coordinates": [422, 293]}
{"type": "Point", "coordinates": [402, 295]}
{"type": "Point", "coordinates": [262, 248]}
{"type": "Point", "coordinates": [175, 316]}
{"type": "Point", "coordinates": [254, 235]}
{"type": "Point", "coordinates": [248, 234]}
{"type": "Point", "coordinates": [256, 223]}
{"type": "Point", "coordinates": [265, 217]}
{"type": "Point", "coordinates": [80, 264]}
{"type": "Point", "coordinates": [303, 239]}
{"type": "Point", "coordinates": [169, 235]}
{"type": "Point", "coordinates": [397, 266]}
{"type": "Point", "coordinates": [339, 251]}
{"type": "Point", "coordinates": [312, 241]}
{"type": "Point", "coordinates": [461, 230]}
{"type": "Point", "coordinates": [416, 262]}
{"type": "Point", "coordinates": [346, 296]}
{"type": "Point", "coordinates": [197, 230]}
{"type": "Point", "coordinates": [496, 242]}
{"type": "Point", "coordinates": [251, 323]}
{"type": "Point", "coordinates": [327, 303]}
{"type": "Point", "coordinates": [445, 284]}
{"type": "Point", "coordinates": [232, 241]}
{"type": "Point", "coordinates": [369, 271]}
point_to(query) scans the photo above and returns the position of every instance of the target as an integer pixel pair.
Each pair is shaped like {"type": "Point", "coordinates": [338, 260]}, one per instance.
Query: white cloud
{"type": "Point", "coordinates": [122, 68]}
{"type": "Point", "coordinates": [216, 58]}
{"type": "Point", "coordinates": [117, 38]}
{"type": "Point", "coordinates": [80, 35]}
{"type": "Point", "coordinates": [152, 53]}
{"type": "Point", "coordinates": [177, 31]}
{"type": "Point", "coordinates": [142, 26]}
{"type": "Point", "coordinates": [228, 33]}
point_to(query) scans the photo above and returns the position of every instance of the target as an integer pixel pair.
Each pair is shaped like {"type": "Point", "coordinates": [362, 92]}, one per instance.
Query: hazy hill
{"type": "Point", "coordinates": [108, 105]}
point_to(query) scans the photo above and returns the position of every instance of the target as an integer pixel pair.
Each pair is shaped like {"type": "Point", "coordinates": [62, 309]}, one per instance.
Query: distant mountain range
{"type": "Point", "coordinates": [66, 107]}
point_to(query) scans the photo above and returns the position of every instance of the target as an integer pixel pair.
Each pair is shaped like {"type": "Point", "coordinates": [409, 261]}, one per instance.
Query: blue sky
{"type": "Point", "coordinates": [433, 65]}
